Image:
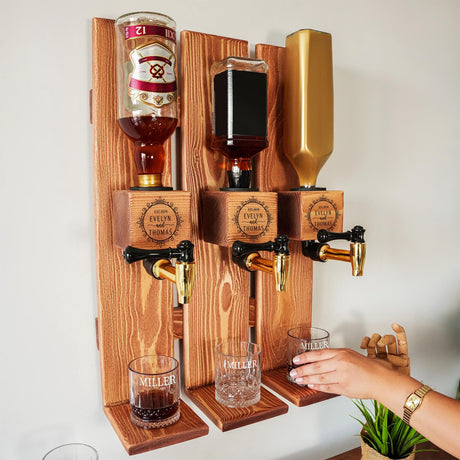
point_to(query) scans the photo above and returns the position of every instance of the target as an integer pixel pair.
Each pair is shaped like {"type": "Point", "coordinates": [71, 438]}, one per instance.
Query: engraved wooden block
{"type": "Point", "coordinates": [301, 214]}
{"type": "Point", "coordinates": [151, 219]}
{"type": "Point", "coordinates": [245, 216]}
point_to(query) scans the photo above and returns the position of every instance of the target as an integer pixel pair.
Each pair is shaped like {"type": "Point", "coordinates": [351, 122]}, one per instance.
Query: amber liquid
{"type": "Point", "coordinates": [154, 406]}
{"type": "Point", "coordinates": [149, 134]}
{"type": "Point", "coordinates": [239, 150]}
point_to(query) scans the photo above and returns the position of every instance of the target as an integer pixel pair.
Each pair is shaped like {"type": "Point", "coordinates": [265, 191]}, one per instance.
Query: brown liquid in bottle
{"type": "Point", "coordinates": [148, 133]}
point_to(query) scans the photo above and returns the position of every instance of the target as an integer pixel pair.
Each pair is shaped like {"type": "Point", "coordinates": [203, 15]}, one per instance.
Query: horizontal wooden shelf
{"type": "Point", "coordinates": [300, 396]}
{"type": "Point", "coordinates": [137, 440]}
{"type": "Point", "coordinates": [226, 418]}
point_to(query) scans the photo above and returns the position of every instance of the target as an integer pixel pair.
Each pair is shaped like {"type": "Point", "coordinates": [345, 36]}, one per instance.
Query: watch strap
{"type": "Point", "coordinates": [421, 392]}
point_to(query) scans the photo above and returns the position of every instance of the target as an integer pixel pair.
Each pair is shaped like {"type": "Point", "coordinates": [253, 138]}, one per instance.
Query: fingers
{"type": "Point", "coordinates": [316, 368]}
{"type": "Point", "coordinates": [316, 355]}
{"type": "Point", "coordinates": [325, 387]}
{"type": "Point", "coordinates": [370, 345]}
{"type": "Point", "coordinates": [389, 341]}
{"type": "Point", "coordinates": [398, 361]}
{"type": "Point", "coordinates": [402, 339]}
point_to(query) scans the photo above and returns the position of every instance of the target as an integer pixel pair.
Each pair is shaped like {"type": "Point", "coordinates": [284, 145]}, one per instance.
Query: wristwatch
{"type": "Point", "coordinates": [414, 401]}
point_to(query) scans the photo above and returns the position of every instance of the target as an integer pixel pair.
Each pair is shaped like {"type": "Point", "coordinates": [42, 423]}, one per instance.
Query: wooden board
{"type": "Point", "coordinates": [219, 307]}
{"type": "Point", "coordinates": [136, 440]}
{"type": "Point", "coordinates": [300, 396]}
{"type": "Point", "coordinates": [276, 313]}
{"type": "Point", "coordinates": [135, 311]}
{"type": "Point", "coordinates": [226, 418]}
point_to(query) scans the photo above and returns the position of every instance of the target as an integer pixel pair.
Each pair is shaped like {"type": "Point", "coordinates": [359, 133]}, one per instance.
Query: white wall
{"type": "Point", "coordinates": [396, 70]}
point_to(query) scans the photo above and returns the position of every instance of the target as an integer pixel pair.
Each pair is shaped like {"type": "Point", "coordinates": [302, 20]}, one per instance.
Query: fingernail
{"type": "Point", "coordinates": [310, 385]}
{"type": "Point", "coordinates": [299, 380]}
{"type": "Point", "coordinates": [293, 373]}
{"type": "Point", "coordinates": [296, 359]}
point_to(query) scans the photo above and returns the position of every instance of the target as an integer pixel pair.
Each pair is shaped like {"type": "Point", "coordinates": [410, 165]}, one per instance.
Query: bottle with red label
{"type": "Point", "coordinates": [147, 91]}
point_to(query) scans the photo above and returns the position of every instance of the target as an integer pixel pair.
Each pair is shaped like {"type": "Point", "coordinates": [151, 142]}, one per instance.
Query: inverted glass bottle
{"type": "Point", "coordinates": [239, 115]}
{"type": "Point", "coordinates": [147, 92]}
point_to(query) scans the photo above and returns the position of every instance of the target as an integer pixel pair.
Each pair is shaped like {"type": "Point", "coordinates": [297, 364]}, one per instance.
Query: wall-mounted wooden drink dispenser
{"type": "Point", "coordinates": [136, 315]}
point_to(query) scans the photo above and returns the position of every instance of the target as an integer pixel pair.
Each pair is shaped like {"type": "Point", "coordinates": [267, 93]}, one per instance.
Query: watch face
{"type": "Point", "coordinates": [413, 401]}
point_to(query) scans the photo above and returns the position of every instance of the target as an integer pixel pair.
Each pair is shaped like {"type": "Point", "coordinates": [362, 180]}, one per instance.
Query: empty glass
{"type": "Point", "coordinates": [237, 373]}
{"type": "Point", "coordinates": [74, 451]}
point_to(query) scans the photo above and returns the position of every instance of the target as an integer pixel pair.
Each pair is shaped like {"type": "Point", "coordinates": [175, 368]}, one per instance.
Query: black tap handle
{"type": "Point", "coordinates": [183, 253]}
{"type": "Point", "coordinates": [355, 235]}
{"type": "Point", "coordinates": [240, 249]}
{"type": "Point", "coordinates": [279, 246]}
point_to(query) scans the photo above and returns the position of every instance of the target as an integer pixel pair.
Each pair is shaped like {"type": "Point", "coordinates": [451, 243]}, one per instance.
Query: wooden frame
{"type": "Point", "coordinates": [221, 307]}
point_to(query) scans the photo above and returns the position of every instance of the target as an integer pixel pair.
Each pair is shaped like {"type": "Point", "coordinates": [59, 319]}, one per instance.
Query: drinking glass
{"type": "Point", "coordinates": [237, 373]}
{"type": "Point", "coordinates": [147, 91]}
{"type": "Point", "coordinates": [154, 391]}
{"type": "Point", "coordinates": [74, 451]}
{"type": "Point", "coordinates": [302, 339]}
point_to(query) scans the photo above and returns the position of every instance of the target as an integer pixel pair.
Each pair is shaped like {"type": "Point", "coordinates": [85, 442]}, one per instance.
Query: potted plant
{"type": "Point", "coordinates": [385, 435]}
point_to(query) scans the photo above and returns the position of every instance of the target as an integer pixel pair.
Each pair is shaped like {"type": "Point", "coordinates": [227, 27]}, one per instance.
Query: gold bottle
{"type": "Point", "coordinates": [308, 103]}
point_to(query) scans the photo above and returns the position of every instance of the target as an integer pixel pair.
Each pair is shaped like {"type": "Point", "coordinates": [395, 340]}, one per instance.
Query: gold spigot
{"type": "Point", "coordinates": [182, 274]}
{"type": "Point", "coordinates": [246, 256]}
{"type": "Point", "coordinates": [320, 251]}
{"type": "Point", "coordinates": [308, 103]}
{"type": "Point", "coordinates": [158, 264]}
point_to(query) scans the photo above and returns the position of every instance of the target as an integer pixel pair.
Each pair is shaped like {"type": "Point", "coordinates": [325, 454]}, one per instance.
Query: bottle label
{"type": "Point", "coordinates": [142, 30]}
{"type": "Point", "coordinates": [153, 80]}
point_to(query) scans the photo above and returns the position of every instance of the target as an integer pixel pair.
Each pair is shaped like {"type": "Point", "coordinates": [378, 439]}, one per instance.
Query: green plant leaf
{"type": "Point", "coordinates": [385, 432]}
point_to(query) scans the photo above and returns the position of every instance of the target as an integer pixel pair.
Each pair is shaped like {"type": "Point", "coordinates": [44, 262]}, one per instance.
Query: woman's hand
{"type": "Point", "coordinates": [342, 371]}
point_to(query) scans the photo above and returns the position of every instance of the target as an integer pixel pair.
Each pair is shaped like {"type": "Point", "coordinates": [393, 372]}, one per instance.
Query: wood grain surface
{"type": "Point", "coordinates": [134, 309]}
{"type": "Point", "coordinates": [300, 396]}
{"type": "Point", "coordinates": [219, 307]}
{"type": "Point", "coordinates": [224, 217]}
{"type": "Point", "coordinates": [136, 440]}
{"type": "Point", "coordinates": [134, 218]}
{"type": "Point", "coordinates": [302, 214]}
{"type": "Point", "coordinates": [276, 313]}
{"type": "Point", "coordinates": [226, 418]}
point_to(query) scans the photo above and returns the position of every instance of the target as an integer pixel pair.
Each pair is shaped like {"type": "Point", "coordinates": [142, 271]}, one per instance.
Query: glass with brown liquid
{"type": "Point", "coordinates": [239, 115]}
{"type": "Point", "coordinates": [147, 90]}
{"type": "Point", "coordinates": [154, 391]}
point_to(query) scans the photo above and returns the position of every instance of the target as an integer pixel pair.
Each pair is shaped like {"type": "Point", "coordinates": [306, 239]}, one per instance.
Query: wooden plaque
{"type": "Point", "coordinates": [302, 214]}
{"type": "Point", "coordinates": [246, 216]}
{"type": "Point", "coordinates": [151, 220]}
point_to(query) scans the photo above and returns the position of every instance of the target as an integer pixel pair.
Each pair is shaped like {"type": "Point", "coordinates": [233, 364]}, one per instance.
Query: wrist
{"type": "Point", "coordinates": [393, 390]}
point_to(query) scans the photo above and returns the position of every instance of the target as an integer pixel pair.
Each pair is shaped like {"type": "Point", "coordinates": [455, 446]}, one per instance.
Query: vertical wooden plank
{"type": "Point", "coordinates": [134, 309]}
{"type": "Point", "coordinates": [278, 312]}
{"type": "Point", "coordinates": [219, 307]}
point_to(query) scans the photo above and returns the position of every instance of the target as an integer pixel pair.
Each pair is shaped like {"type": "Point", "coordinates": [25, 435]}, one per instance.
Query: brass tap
{"type": "Point", "coordinates": [158, 264]}
{"type": "Point", "coordinates": [320, 251]}
{"type": "Point", "coordinates": [246, 256]}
